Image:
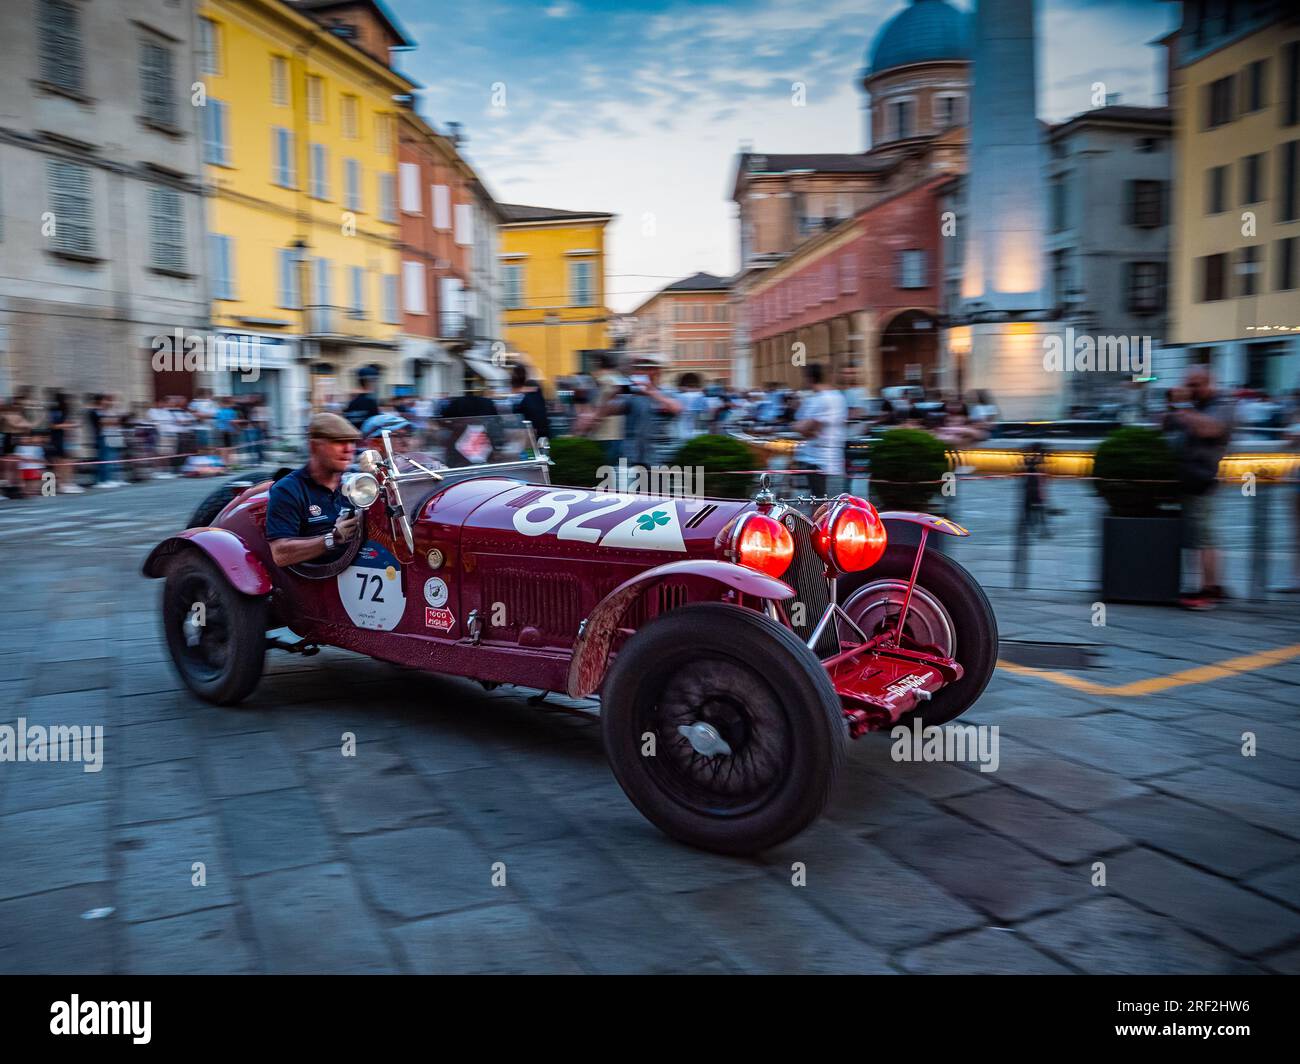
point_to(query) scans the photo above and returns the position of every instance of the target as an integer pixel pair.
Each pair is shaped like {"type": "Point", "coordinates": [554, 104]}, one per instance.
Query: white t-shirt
{"type": "Point", "coordinates": [825, 451]}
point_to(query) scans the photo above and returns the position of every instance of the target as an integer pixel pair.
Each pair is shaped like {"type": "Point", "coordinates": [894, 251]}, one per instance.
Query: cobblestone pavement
{"type": "Point", "coordinates": [383, 862]}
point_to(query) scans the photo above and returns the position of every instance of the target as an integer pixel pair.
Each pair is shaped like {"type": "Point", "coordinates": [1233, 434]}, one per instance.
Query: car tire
{"type": "Point", "coordinates": [760, 689]}
{"type": "Point", "coordinates": [965, 608]}
{"type": "Point", "coordinates": [225, 663]}
{"type": "Point", "coordinates": [216, 501]}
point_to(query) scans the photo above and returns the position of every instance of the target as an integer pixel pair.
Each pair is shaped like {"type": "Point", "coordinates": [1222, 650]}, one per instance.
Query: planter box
{"type": "Point", "coordinates": [1141, 559]}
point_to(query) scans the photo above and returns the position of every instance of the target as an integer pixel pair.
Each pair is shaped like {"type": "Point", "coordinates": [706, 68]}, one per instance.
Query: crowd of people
{"type": "Point", "coordinates": [108, 442]}
{"type": "Point", "coordinates": [638, 412]}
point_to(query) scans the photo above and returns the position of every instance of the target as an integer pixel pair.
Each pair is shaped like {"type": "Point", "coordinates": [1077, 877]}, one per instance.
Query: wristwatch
{"type": "Point", "coordinates": [329, 539]}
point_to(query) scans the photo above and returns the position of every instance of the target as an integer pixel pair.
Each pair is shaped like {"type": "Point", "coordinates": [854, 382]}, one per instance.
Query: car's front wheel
{"type": "Point", "coordinates": [722, 728]}
{"type": "Point", "coordinates": [216, 634]}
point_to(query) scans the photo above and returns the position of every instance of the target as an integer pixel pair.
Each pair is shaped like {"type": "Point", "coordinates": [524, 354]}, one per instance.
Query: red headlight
{"type": "Point", "coordinates": [763, 544]}
{"type": "Point", "coordinates": [849, 535]}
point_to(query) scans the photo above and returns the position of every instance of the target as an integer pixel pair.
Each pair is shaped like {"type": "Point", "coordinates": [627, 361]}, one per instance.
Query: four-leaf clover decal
{"type": "Point", "coordinates": [647, 522]}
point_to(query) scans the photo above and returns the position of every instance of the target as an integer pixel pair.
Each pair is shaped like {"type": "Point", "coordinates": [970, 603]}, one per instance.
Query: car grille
{"type": "Point", "coordinates": [807, 575]}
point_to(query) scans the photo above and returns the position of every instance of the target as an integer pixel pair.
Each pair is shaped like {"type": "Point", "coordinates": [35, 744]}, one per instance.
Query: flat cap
{"type": "Point", "coordinates": [327, 426]}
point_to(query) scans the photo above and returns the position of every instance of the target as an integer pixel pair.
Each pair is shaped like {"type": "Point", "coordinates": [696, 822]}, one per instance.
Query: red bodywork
{"type": "Point", "coordinates": [536, 585]}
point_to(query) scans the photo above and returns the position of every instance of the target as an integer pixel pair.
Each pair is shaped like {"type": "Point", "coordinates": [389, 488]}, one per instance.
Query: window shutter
{"type": "Point", "coordinates": [464, 224]}
{"type": "Point", "coordinates": [441, 207]}
{"type": "Point", "coordinates": [410, 177]}
{"type": "Point", "coordinates": [279, 81]}
{"type": "Point", "coordinates": [72, 206]}
{"type": "Point", "coordinates": [156, 83]}
{"type": "Point", "coordinates": [61, 56]}
{"type": "Point", "coordinates": [166, 228]}
{"type": "Point", "coordinates": [215, 143]}
{"type": "Point", "coordinates": [390, 300]}
{"type": "Point", "coordinates": [354, 185]}
{"type": "Point", "coordinates": [413, 287]}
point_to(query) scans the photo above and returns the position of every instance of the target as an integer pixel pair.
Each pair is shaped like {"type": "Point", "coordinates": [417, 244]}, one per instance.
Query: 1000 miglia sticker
{"type": "Point", "coordinates": [647, 524]}
{"type": "Point", "coordinates": [371, 589]}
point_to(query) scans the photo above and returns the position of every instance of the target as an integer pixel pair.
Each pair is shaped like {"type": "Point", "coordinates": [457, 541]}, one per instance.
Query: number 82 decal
{"type": "Point", "coordinates": [655, 525]}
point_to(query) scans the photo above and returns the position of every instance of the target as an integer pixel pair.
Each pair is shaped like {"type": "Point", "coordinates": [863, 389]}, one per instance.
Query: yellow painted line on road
{"type": "Point", "coordinates": [1149, 686]}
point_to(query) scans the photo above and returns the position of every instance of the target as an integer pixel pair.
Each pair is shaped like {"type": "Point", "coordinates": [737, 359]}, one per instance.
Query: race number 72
{"type": "Point", "coordinates": [365, 579]}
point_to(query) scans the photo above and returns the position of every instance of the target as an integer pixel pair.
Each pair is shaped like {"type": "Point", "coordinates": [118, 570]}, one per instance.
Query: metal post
{"type": "Point", "coordinates": [1259, 545]}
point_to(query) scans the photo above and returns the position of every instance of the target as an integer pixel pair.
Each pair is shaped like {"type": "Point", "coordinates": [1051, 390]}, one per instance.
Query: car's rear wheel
{"type": "Point", "coordinates": [722, 728]}
{"type": "Point", "coordinates": [216, 634]}
{"type": "Point", "coordinates": [949, 615]}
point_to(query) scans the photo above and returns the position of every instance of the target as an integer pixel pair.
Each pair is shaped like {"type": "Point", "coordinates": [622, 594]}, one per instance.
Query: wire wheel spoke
{"type": "Point", "coordinates": [737, 704]}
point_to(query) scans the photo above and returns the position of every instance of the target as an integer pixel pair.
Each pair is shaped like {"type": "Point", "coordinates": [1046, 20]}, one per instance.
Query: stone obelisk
{"type": "Point", "coordinates": [1004, 299]}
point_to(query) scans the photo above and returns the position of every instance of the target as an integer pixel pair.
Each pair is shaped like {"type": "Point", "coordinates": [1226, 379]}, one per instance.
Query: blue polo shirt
{"type": "Point", "coordinates": [299, 508]}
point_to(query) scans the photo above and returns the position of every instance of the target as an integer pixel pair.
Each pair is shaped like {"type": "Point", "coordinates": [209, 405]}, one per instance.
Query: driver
{"type": "Point", "coordinates": [302, 514]}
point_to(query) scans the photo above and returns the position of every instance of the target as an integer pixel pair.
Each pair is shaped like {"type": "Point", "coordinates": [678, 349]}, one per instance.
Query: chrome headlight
{"type": "Point", "coordinates": [361, 489]}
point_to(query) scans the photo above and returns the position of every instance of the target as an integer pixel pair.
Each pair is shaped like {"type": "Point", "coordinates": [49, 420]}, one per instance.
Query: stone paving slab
{"type": "Point", "coordinates": [384, 862]}
{"type": "Point", "coordinates": [1110, 936]}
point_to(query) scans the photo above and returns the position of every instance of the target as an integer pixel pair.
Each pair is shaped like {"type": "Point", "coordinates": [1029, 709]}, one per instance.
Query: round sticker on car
{"type": "Point", "coordinates": [371, 589]}
{"type": "Point", "coordinates": [435, 591]}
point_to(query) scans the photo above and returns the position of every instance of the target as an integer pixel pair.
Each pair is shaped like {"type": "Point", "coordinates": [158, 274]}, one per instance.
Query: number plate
{"type": "Point", "coordinates": [371, 589]}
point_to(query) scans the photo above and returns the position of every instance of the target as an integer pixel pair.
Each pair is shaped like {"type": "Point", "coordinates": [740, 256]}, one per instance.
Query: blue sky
{"type": "Point", "coordinates": [638, 108]}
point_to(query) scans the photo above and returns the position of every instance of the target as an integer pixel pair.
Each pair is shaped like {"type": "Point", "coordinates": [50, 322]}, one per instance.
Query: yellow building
{"type": "Point", "coordinates": [300, 146]}
{"type": "Point", "coordinates": [1235, 261]}
{"type": "Point", "coordinates": [553, 288]}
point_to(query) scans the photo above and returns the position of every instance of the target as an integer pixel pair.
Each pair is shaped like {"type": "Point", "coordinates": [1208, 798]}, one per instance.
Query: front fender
{"type": "Point", "coordinates": [591, 649]}
{"type": "Point", "coordinates": [930, 521]}
{"type": "Point", "coordinates": [242, 567]}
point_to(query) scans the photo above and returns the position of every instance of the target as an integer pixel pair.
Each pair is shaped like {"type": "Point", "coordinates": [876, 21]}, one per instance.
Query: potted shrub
{"type": "Point", "coordinates": [907, 466]}
{"type": "Point", "coordinates": [576, 461]}
{"type": "Point", "coordinates": [721, 458]}
{"type": "Point", "coordinates": [1141, 544]}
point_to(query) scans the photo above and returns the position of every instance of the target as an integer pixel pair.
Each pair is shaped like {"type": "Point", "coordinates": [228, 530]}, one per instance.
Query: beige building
{"type": "Point", "coordinates": [688, 326]}
{"type": "Point", "coordinates": [1235, 263]}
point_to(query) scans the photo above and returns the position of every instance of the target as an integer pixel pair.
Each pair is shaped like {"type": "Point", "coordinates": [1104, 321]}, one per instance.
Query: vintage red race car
{"type": "Point", "coordinates": [734, 645]}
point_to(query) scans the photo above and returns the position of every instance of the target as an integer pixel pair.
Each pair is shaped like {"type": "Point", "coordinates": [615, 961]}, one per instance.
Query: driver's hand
{"type": "Point", "coordinates": [346, 527]}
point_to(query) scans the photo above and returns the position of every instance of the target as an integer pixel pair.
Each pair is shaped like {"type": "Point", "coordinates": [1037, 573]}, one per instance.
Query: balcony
{"type": "Point", "coordinates": [458, 329]}
{"type": "Point", "coordinates": [344, 323]}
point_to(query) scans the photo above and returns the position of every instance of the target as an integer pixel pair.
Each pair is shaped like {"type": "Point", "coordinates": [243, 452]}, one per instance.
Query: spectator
{"type": "Point", "coordinates": [1200, 422]}
{"type": "Point", "coordinates": [59, 422]}
{"type": "Point", "coordinates": [473, 403]}
{"type": "Point", "coordinates": [529, 402]}
{"type": "Point", "coordinates": [162, 416]}
{"type": "Point", "coordinates": [13, 427]}
{"type": "Point", "coordinates": [649, 416]}
{"type": "Point", "coordinates": [821, 422]}
{"type": "Point", "coordinates": [694, 415]}
{"type": "Point", "coordinates": [30, 457]}
{"type": "Point", "coordinates": [603, 422]}
{"type": "Point", "coordinates": [982, 407]}
{"type": "Point", "coordinates": [362, 406]}
{"type": "Point", "coordinates": [112, 442]}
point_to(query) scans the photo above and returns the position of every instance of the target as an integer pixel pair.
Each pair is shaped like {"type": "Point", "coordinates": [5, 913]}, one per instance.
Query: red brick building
{"type": "Point", "coordinates": [435, 196]}
{"type": "Point", "coordinates": [866, 293]}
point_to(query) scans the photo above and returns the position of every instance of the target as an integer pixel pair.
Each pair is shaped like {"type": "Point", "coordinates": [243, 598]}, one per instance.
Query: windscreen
{"type": "Point", "coordinates": [456, 442]}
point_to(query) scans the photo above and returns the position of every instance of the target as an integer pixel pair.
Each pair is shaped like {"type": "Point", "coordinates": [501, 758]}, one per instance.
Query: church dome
{"type": "Point", "coordinates": [924, 31]}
